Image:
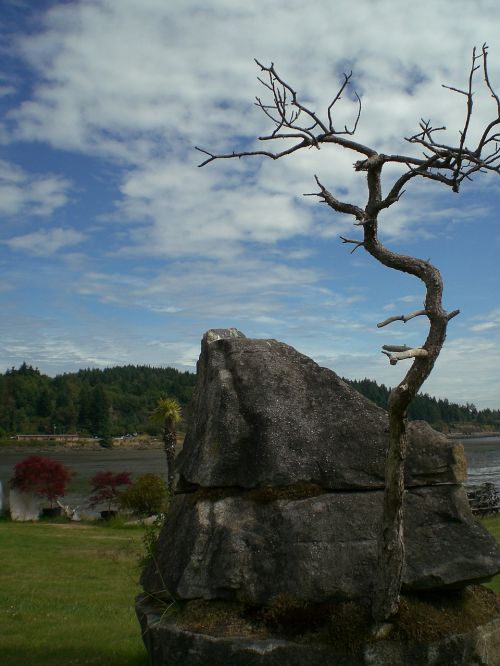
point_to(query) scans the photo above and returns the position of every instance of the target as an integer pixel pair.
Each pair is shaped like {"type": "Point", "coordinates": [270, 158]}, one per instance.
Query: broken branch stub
{"type": "Point", "coordinates": [394, 357]}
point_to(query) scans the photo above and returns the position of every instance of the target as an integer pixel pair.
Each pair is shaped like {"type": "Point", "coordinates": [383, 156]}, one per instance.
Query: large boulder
{"type": "Point", "coordinates": [264, 414]}
{"type": "Point", "coordinates": [279, 494]}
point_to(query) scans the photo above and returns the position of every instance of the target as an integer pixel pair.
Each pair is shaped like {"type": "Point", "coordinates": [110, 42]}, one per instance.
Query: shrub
{"type": "Point", "coordinates": [44, 477]}
{"type": "Point", "coordinates": [150, 540]}
{"type": "Point", "coordinates": [148, 495]}
{"type": "Point", "coordinates": [106, 441]}
{"type": "Point", "coordinates": [106, 488]}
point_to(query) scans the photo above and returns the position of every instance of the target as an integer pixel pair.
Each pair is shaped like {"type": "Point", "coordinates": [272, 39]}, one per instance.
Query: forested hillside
{"type": "Point", "coordinates": [119, 400]}
{"type": "Point", "coordinates": [426, 408]}
{"type": "Point", "coordinates": [113, 401]}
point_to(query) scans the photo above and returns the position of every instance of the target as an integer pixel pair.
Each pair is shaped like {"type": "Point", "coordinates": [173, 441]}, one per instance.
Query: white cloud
{"type": "Point", "coordinates": [135, 80]}
{"type": "Point", "coordinates": [143, 83]}
{"type": "Point", "coordinates": [215, 222]}
{"type": "Point", "coordinates": [466, 371]}
{"type": "Point", "coordinates": [45, 242]}
{"type": "Point", "coordinates": [46, 341]}
{"type": "Point", "coordinates": [241, 289]}
{"type": "Point", "coordinates": [22, 193]}
{"type": "Point", "coordinates": [7, 90]}
{"type": "Point", "coordinates": [490, 321]}
{"type": "Point", "coordinates": [486, 326]}
{"type": "Point", "coordinates": [139, 84]}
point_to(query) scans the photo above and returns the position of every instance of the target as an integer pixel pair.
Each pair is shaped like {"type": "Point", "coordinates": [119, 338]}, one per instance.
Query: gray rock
{"type": "Point", "coordinates": [170, 645]}
{"type": "Point", "coordinates": [264, 414]}
{"type": "Point", "coordinates": [280, 492]}
{"type": "Point", "coordinates": [314, 549]}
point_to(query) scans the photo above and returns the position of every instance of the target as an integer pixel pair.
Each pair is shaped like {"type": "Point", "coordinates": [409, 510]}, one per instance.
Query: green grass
{"type": "Point", "coordinates": [492, 524]}
{"type": "Point", "coordinates": [67, 595]}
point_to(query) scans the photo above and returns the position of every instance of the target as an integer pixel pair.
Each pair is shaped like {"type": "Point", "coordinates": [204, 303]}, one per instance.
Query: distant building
{"type": "Point", "coordinates": [57, 438]}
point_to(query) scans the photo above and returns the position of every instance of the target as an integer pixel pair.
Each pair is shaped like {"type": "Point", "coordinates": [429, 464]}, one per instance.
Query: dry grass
{"type": "Point", "coordinates": [435, 615]}
{"type": "Point", "coordinates": [344, 626]}
{"type": "Point", "coordinates": [218, 618]}
{"type": "Point", "coordinates": [265, 494]}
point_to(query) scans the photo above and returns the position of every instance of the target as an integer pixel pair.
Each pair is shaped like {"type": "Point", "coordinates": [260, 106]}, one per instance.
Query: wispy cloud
{"type": "Point", "coordinates": [118, 95]}
{"type": "Point", "coordinates": [22, 193]}
{"type": "Point", "coordinates": [112, 84]}
{"type": "Point", "coordinates": [489, 321]}
{"type": "Point", "coordinates": [45, 242]}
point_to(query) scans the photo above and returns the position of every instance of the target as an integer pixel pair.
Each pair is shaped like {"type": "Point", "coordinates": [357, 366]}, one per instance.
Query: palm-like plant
{"type": "Point", "coordinates": [168, 413]}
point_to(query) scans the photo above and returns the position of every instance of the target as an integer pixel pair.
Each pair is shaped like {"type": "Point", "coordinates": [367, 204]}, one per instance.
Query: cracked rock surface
{"type": "Point", "coordinates": [264, 414]}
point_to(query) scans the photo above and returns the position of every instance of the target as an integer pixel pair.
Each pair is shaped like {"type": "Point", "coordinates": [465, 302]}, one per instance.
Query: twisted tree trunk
{"type": "Point", "coordinates": [169, 445]}
{"type": "Point", "coordinates": [390, 562]}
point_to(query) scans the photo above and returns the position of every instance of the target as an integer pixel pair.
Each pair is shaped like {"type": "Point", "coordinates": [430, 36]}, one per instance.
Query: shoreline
{"type": "Point", "coordinates": [81, 445]}
{"type": "Point", "coordinates": [473, 435]}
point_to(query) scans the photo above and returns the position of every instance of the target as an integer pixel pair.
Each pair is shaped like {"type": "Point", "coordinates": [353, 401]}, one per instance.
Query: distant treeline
{"type": "Point", "coordinates": [114, 401]}
{"type": "Point", "coordinates": [119, 400]}
{"type": "Point", "coordinates": [426, 408]}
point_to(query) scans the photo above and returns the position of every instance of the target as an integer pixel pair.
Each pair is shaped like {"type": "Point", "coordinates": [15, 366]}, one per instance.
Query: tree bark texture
{"type": "Point", "coordinates": [169, 445]}
{"type": "Point", "coordinates": [390, 562]}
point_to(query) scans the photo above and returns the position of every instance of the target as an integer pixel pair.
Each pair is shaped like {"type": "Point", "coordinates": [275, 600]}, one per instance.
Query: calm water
{"type": "Point", "coordinates": [483, 459]}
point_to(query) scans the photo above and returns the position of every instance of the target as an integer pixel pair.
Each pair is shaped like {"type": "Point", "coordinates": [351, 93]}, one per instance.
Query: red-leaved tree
{"type": "Point", "coordinates": [106, 487]}
{"type": "Point", "coordinates": [44, 477]}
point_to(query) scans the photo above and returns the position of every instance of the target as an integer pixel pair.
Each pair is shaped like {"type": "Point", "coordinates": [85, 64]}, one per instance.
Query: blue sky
{"type": "Point", "coordinates": [115, 248]}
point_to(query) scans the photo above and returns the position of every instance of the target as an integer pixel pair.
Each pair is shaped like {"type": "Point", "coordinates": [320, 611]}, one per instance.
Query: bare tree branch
{"type": "Point", "coordinates": [333, 202]}
{"type": "Point", "coordinates": [250, 153]}
{"type": "Point", "coordinates": [403, 318]}
{"type": "Point", "coordinates": [487, 78]}
{"type": "Point", "coordinates": [452, 314]}
{"type": "Point", "coordinates": [396, 348]}
{"type": "Point", "coordinates": [279, 88]}
{"type": "Point", "coordinates": [450, 165]}
{"type": "Point", "coordinates": [357, 243]}
{"type": "Point", "coordinates": [459, 161]}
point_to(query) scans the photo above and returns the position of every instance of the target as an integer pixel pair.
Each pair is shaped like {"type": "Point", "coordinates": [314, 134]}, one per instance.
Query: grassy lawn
{"type": "Point", "coordinates": [67, 595]}
{"type": "Point", "coordinates": [492, 524]}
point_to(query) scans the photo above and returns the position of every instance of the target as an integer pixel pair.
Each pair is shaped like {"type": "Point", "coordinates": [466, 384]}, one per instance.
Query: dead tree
{"type": "Point", "coordinates": [450, 165]}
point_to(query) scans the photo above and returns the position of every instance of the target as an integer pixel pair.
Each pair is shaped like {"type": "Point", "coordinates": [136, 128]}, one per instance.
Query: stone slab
{"type": "Point", "coordinates": [314, 549]}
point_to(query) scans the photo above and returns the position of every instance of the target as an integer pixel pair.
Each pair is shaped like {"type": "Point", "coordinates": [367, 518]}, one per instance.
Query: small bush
{"type": "Point", "coordinates": [106, 442]}
{"type": "Point", "coordinates": [147, 496]}
{"type": "Point", "coordinates": [150, 540]}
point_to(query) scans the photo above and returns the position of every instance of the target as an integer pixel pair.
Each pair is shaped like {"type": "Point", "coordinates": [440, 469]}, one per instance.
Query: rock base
{"type": "Point", "coordinates": [170, 645]}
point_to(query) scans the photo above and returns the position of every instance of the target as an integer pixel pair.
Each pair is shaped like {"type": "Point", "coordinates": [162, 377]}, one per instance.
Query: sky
{"type": "Point", "coordinates": [115, 248]}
